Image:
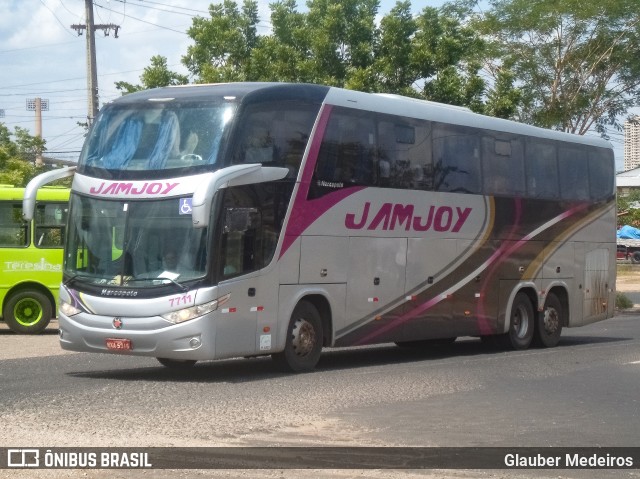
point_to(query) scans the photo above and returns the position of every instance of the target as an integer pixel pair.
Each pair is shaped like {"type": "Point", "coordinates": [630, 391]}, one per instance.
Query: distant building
{"type": "Point", "coordinates": [632, 144]}
{"type": "Point", "coordinates": [628, 181]}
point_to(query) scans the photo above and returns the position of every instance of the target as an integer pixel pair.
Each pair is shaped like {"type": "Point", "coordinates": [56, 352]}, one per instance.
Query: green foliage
{"type": "Point", "coordinates": [223, 43]}
{"type": "Point", "coordinates": [629, 209]}
{"type": "Point", "coordinates": [623, 301]}
{"type": "Point", "coordinates": [575, 61]}
{"type": "Point", "coordinates": [17, 156]}
{"type": "Point", "coordinates": [434, 55]}
{"type": "Point", "coordinates": [153, 76]}
{"type": "Point", "coordinates": [570, 65]}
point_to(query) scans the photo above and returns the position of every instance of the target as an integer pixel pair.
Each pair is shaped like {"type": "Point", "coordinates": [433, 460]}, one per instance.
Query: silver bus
{"type": "Point", "coordinates": [247, 219]}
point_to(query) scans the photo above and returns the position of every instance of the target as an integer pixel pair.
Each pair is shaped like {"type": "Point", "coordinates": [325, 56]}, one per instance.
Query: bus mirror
{"type": "Point", "coordinates": [31, 191]}
{"type": "Point", "coordinates": [232, 176]}
{"type": "Point", "coordinates": [239, 220]}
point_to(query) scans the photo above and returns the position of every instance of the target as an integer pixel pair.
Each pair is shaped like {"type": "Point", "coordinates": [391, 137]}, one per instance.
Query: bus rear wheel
{"type": "Point", "coordinates": [27, 312]}
{"type": "Point", "coordinates": [304, 340]}
{"type": "Point", "coordinates": [549, 323]}
{"type": "Point", "coordinates": [521, 324]}
{"type": "Point", "coordinates": [177, 363]}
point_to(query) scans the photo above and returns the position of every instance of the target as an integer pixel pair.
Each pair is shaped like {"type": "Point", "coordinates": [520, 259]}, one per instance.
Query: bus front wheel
{"type": "Point", "coordinates": [521, 324]}
{"type": "Point", "coordinates": [304, 340]}
{"type": "Point", "coordinates": [27, 312]}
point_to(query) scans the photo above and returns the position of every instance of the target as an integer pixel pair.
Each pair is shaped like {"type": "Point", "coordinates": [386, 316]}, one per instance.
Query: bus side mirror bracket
{"type": "Point", "coordinates": [31, 191]}
{"type": "Point", "coordinates": [235, 175]}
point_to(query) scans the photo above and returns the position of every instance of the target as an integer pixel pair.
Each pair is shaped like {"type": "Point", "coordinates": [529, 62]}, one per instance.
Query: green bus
{"type": "Point", "coordinates": [31, 257]}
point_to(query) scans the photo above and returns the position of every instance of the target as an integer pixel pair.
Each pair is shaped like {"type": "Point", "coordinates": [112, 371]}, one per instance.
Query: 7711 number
{"type": "Point", "coordinates": [180, 300]}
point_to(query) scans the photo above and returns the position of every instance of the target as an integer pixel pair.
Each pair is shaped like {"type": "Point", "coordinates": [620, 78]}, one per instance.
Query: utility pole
{"type": "Point", "coordinates": [38, 105]}
{"type": "Point", "coordinates": [92, 73]}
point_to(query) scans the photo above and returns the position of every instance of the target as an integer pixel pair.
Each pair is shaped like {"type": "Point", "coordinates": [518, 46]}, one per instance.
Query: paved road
{"type": "Point", "coordinates": [585, 392]}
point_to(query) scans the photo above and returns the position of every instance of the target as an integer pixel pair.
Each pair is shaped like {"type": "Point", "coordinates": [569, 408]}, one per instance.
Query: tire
{"type": "Point", "coordinates": [521, 324]}
{"type": "Point", "coordinates": [549, 323]}
{"type": "Point", "coordinates": [27, 311]}
{"type": "Point", "coordinates": [635, 257]}
{"type": "Point", "coordinates": [304, 340]}
{"type": "Point", "coordinates": [177, 363]}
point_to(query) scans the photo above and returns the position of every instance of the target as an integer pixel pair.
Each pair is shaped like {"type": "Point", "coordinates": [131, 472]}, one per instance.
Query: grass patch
{"type": "Point", "coordinates": [623, 302]}
{"type": "Point", "coordinates": [628, 269]}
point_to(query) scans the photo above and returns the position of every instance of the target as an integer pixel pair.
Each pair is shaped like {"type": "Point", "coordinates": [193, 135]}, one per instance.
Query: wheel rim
{"type": "Point", "coordinates": [27, 312]}
{"type": "Point", "coordinates": [521, 322]}
{"type": "Point", "coordinates": [304, 337]}
{"type": "Point", "coordinates": [551, 321]}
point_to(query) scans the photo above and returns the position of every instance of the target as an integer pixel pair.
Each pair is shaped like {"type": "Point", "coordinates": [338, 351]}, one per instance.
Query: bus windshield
{"type": "Point", "coordinates": [143, 244]}
{"type": "Point", "coordinates": [157, 135]}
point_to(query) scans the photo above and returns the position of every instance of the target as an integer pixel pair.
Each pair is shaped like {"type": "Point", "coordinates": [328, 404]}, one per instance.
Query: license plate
{"type": "Point", "coordinates": [119, 344]}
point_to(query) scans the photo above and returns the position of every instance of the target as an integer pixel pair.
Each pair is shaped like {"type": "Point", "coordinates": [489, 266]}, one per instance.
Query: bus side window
{"type": "Point", "coordinates": [404, 153]}
{"type": "Point", "coordinates": [542, 169]}
{"type": "Point", "coordinates": [249, 228]}
{"type": "Point", "coordinates": [275, 134]}
{"type": "Point", "coordinates": [14, 231]}
{"type": "Point", "coordinates": [347, 153]}
{"type": "Point", "coordinates": [50, 222]}
{"type": "Point", "coordinates": [456, 159]}
{"type": "Point", "coordinates": [502, 165]}
{"type": "Point", "coordinates": [574, 184]}
{"type": "Point", "coordinates": [601, 174]}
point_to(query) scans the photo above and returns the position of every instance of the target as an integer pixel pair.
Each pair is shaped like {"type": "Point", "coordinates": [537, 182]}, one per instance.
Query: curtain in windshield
{"type": "Point", "coordinates": [157, 136]}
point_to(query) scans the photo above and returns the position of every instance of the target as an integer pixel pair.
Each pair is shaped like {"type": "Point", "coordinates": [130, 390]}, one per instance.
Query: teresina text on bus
{"type": "Point", "coordinates": [391, 216]}
{"type": "Point", "coordinates": [123, 188]}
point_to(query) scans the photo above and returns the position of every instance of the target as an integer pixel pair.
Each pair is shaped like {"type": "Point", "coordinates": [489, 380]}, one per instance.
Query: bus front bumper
{"type": "Point", "coordinates": [153, 336]}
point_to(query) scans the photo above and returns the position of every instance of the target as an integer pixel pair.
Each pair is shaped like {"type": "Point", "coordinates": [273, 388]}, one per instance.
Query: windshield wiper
{"type": "Point", "coordinates": [182, 287]}
{"type": "Point", "coordinates": [74, 278]}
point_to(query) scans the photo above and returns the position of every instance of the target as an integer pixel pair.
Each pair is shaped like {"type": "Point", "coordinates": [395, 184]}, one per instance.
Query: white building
{"type": "Point", "coordinates": [627, 181]}
{"type": "Point", "coordinates": [632, 144]}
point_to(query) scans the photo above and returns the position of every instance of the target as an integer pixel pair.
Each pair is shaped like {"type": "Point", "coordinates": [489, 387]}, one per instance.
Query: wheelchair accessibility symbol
{"type": "Point", "coordinates": [185, 206]}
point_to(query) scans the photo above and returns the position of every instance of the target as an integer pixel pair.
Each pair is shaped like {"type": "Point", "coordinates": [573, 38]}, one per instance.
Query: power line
{"type": "Point", "coordinates": [56, 17]}
{"type": "Point", "coordinates": [37, 46]}
{"type": "Point", "coordinates": [143, 21]}
{"type": "Point", "coordinates": [40, 92]}
{"type": "Point", "coordinates": [164, 10]}
{"type": "Point", "coordinates": [170, 6]}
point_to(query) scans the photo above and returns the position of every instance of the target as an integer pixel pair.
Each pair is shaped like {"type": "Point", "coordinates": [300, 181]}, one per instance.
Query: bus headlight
{"type": "Point", "coordinates": [193, 312]}
{"type": "Point", "coordinates": [68, 310]}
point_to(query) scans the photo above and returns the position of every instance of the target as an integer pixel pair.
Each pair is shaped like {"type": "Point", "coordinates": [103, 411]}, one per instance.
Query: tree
{"type": "Point", "coordinates": [575, 62]}
{"type": "Point", "coordinates": [343, 35]}
{"type": "Point", "coordinates": [223, 43]}
{"type": "Point", "coordinates": [447, 51]}
{"type": "Point", "coordinates": [153, 76]}
{"type": "Point", "coordinates": [434, 55]}
{"type": "Point", "coordinates": [628, 211]}
{"type": "Point", "coordinates": [17, 157]}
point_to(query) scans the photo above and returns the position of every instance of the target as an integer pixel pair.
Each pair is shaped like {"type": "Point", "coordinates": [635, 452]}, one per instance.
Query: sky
{"type": "Point", "coordinates": [41, 56]}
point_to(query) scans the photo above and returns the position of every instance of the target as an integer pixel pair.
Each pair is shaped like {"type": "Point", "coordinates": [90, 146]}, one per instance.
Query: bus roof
{"type": "Point", "coordinates": [239, 92]}
{"type": "Point", "coordinates": [382, 103]}
{"type": "Point", "coordinates": [46, 193]}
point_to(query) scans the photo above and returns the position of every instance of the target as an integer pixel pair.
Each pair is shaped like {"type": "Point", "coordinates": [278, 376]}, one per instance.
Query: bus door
{"type": "Point", "coordinates": [473, 300]}
{"type": "Point", "coordinates": [239, 245]}
{"type": "Point", "coordinates": [376, 282]}
{"type": "Point", "coordinates": [237, 318]}
{"type": "Point", "coordinates": [427, 263]}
